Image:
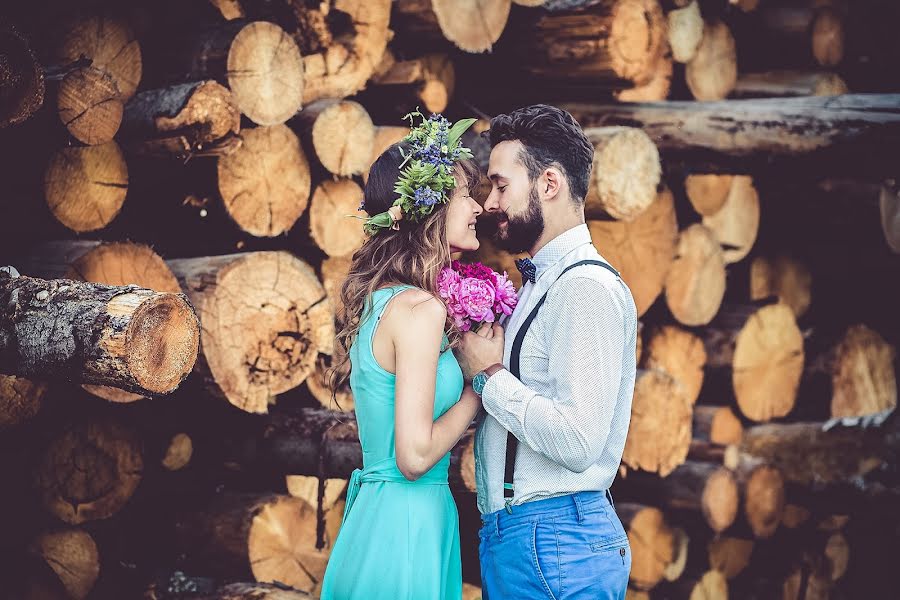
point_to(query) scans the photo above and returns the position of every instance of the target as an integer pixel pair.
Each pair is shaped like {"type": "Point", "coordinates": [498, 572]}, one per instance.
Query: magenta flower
{"type": "Point", "coordinates": [506, 298]}
{"type": "Point", "coordinates": [477, 298]}
{"type": "Point", "coordinates": [475, 294]}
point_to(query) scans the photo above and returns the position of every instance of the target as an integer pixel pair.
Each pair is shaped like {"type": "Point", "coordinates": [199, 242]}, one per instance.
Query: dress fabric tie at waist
{"type": "Point", "coordinates": [386, 471]}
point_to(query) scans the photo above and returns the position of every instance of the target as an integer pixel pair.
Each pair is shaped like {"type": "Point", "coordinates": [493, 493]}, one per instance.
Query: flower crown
{"type": "Point", "coordinates": [426, 174]}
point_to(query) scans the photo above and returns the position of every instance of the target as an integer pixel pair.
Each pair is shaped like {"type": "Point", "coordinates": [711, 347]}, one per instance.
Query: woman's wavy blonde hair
{"type": "Point", "coordinates": [413, 255]}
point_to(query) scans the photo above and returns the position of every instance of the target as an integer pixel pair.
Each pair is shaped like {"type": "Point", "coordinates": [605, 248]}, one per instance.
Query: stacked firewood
{"type": "Point", "coordinates": [178, 180]}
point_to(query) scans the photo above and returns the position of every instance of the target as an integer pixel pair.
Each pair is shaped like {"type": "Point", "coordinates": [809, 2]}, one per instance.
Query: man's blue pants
{"type": "Point", "coordinates": [566, 548]}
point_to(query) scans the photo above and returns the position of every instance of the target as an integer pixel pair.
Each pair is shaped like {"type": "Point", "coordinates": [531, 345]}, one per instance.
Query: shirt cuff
{"type": "Point", "coordinates": [502, 399]}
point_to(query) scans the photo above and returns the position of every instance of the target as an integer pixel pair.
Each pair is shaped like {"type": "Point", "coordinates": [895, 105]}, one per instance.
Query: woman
{"type": "Point", "coordinates": [400, 535]}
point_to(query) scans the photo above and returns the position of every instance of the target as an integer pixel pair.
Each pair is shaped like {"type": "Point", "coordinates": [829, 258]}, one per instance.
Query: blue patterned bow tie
{"type": "Point", "coordinates": [527, 269]}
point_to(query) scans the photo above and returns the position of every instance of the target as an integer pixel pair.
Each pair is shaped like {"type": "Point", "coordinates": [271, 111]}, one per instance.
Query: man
{"type": "Point", "coordinates": [557, 384]}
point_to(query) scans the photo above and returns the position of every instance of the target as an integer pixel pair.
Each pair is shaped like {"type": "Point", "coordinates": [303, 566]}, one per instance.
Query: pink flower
{"type": "Point", "coordinates": [506, 298]}
{"type": "Point", "coordinates": [475, 294]}
{"type": "Point", "coordinates": [477, 298]}
{"type": "Point", "coordinates": [448, 284]}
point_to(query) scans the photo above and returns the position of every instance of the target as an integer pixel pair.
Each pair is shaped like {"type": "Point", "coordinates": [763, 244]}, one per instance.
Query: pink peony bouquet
{"type": "Point", "coordinates": [475, 294]}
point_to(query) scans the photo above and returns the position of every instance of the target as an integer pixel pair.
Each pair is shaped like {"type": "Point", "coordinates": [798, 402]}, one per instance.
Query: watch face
{"type": "Point", "coordinates": [478, 383]}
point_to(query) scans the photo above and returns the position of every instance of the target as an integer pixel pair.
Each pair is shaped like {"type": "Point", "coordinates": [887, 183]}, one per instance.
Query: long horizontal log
{"type": "Point", "coordinates": [816, 134]}
{"type": "Point", "coordinates": [125, 336]}
{"type": "Point", "coordinates": [325, 443]}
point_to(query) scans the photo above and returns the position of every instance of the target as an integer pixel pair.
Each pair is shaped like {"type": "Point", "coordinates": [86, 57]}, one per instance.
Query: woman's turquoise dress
{"type": "Point", "coordinates": [399, 539]}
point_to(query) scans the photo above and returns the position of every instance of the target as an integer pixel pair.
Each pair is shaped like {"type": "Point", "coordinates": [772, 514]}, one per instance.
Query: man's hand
{"type": "Point", "coordinates": [477, 351]}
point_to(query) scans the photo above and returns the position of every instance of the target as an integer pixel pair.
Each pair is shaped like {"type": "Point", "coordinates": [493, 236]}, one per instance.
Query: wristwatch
{"type": "Point", "coordinates": [481, 378]}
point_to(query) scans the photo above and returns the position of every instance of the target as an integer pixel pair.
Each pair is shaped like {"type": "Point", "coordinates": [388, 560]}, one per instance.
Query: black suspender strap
{"type": "Point", "coordinates": [512, 444]}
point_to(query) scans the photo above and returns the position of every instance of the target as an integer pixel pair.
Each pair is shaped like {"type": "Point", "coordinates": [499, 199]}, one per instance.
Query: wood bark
{"type": "Point", "coordinates": [641, 250]}
{"type": "Point", "coordinates": [679, 353]}
{"type": "Point", "coordinates": [705, 488]}
{"type": "Point", "coordinates": [660, 430]}
{"type": "Point", "coordinates": [454, 21]}
{"type": "Point", "coordinates": [763, 348]}
{"type": "Point", "coordinates": [652, 543]}
{"type": "Point", "coordinates": [789, 83]}
{"type": "Point", "coordinates": [815, 135]}
{"type": "Point", "coordinates": [258, 61]}
{"type": "Point", "coordinates": [111, 263]}
{"type": "Point", "coordinates": [329, 226]}
{"type": "Point", "coordinates": [266, 536]}
{"type": "Point", "coordinates": [89, 471]}
{"type": "Point", "coordinates": [125, 336]}
{"type": "Point", "coordinates": [615, 43]}
{"type": "Point", "coordinates": [89, 104]}
{"type": "Point", "coordinates": [21, 78]}
{"type": "Point", "coordinates": [73, 556]}
{"type": "Point", "coordinates": [85, 187]}
{"type": "Point", "coordinates": [622, 189]}
{"type": "Point", "coordinates": [265, 183]}
{"type": "Point", "coordinates": [695, 283]}
{"type": "Point", "coordinates": [340, 134]}
{"type": "Point", "coordinates": [267, 342]}
{"type": "Point", "coordinates": [184, 120]}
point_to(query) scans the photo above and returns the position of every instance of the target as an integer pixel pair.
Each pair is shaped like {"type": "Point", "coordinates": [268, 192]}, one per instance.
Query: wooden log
{"type": "Point", "coordinates": [89, 105]}
{"type": "Point", "coordinates": [111, 45]}
{"type": "Point", "coordinates": [729, 555]}
{"type": "Point", "coordinates": [705, 488]}
{"type": "Point", "coordinates": [265, 183]}
{"type": "Point", "coordinates": [707, 193]}
{"type": "Point", "coordinates": [455, 20]}
{"type": "Point", "coordinates": [764, 349]}
{"type": "Point", "coordinates": [695, 283]}
{"type": "Point", "coordinates": [685, 31]}
{"type": "Point", "coordinates": [428, 81]}
{"type": "Point", "coordinates": [712, 72]}
{"type": "Point", "coordinates": [660, 424]}
{"type": "Point", "coordinates": [736, 223]}
{"type": "Point", "coordinates": [717, 425]}
{"type": "Point", "coordinates": [681, 543]}
{"type": "Point", "coordinates": [889, 204]}
{"type": "Point", "coordinates": [129, 337]}
{"type": "Point", "coordinates": [73, 556]}
{"type": "Point", "coordinates": [318, 385]}
{"type": "Point", "coordinates": [258, 61]}
{"type": "Point", "coordinates": [704, 451]}
{"type": "Point", "coordinates": [828, 37]}
{"type": "Point", "coordinates": [794, 515]}
{"type": "Point", "coordinates": [343, 66]}
{"type": "Point", "coordinates": [711, 585]}
{"type": "Point", "coordinates": [230, 9]}
{"type": "Point", "coordinates": [623, 189]}
{"type": "Point", "coordinates": [762, 495]}
{"type": "Point", "coordinates": [785, 277]}
{"type": "Point", "coordinates": [89, 471]}
{"type": "Point", "coordinates": [330, 227]}
{"type": "Point", "coordinates": [85, 187]}
{"type": "Point", "coordinates": [21, 78]}
{"type": "Point", "coordinates": [184, 120]}
{"type": "Point", "coordinates": [334, 271]}
{"type": "Point", "coordinates": [111, 263]}
{"type": "Point", "coordinates": [266, 343]}
{"type": "Point", "coordinates": [816, 134]}
{"type": "Point", "coordinates": [804, 584]}
{"type": "Point", "coordinates": [642, 250]}
{"type": "Point", "coordinates": [269, 537]}
{"type": "Point", "coordinates": [771, 84]}
{"type": "Point", "coordinates": [340, 134]}
{"type": "Point", "coordinates": [651, 540]}
{"type": "Point", "coordinates": [254, 591]}
{"type": "Point", "coordinates": [855, 372]}
{"type": "Point", "coordinates": [20, 399]}
{"type": "Point", "coordinates": [656, 89]}
{"type": "Point", "coordinates": [178, 452]}
{"type": "Point", "coordinates": [614, 43]}
{"type": "Point", "coordinates": [679, 353]}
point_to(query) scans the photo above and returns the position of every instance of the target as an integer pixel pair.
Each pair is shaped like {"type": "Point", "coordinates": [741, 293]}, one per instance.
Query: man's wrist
{"type": "Point", "coordinates": [489, 371]}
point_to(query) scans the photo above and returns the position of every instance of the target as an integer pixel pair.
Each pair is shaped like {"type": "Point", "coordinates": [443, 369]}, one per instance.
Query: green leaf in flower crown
{"type": "Point", "coordinates": [457, 130]}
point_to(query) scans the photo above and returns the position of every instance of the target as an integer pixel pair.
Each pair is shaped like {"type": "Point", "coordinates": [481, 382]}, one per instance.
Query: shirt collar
{"type": "Point", "coordinates": [560, 246]}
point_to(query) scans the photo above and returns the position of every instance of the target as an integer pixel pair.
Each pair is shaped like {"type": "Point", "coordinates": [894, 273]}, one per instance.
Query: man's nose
{"type": "Point", "coordinates": [492, 204]}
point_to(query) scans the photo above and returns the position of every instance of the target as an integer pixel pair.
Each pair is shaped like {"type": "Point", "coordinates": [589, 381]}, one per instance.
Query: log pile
{"type": "Point", "coordinates": [179, 182]}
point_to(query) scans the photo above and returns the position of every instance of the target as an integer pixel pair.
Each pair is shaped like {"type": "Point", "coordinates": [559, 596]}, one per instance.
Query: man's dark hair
{"type": "Point", "coordinates": [551, 137]}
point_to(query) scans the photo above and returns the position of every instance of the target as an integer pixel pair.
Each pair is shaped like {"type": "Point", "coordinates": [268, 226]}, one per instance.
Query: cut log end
{"type": "Point", "coordinates": [472, 26]}
{"type": "Point", "coordinates": [330, 217]}
{"type": "Point", "coordinates": [343, 136]}
{"type": "Point", "coordinates": [707, 193]}
{"type": "Point", "coordinates": [736, 223]}
{"type": "Point", "coordinates": [782, 276]}
{"type": "Point", "coordinates": [318, 386]}
{"type": "Point", "coordinates": [265, 73]}
{"type": "Point", "coordinates": [828, 37]}
{"type": "Point", "coordinates": [685, 31]}
{"type": "Point", "coordinates": [112, 47]}
{"type": "Point", "coordinates": [656, 89]}
{"type": "Point", "coordinates": [626, 172]}
{"type": "Point", "coordinates": [717, 425]}
{"type": "Point", "coordinates": [711, 586]}
{"type": "Point", "coordinates": [652, 543]}
{"type": "Point", "coordinates": [695, 284]}
{"type": "Point", "coordinates": [863, 379]}
{"type": "Point", "coordinates": [719, 500]}
{"type": "Point", "coordinates": [768, 362]}
{"type": "Point", "coordinates": [712, 72]}
{"type": "Point", "coordinates": [729, 555]}
{"type": "Point", "coordinates": [636, 38]}
{"type": "Point", "coordinates": [265, 184]}
{"type": "Point", "coordinates": [21, 79]}
{"type": "Point", "coordinates": [89, 105]}
{"type": "Point", "coordinates": [660, 431]}
{"type": "Point", "coordinates": [641, 250]}
{"type": "Point", "coordinates": [73, 556]}
{"type": "Point", "coordinates": [680, 354]}
{"type": "Point", "coordinates": [20, 399]}
{"type": "Point", "coordinates": [764, 499]}
{"type": "Point", "coordinates": [85, 187]}
{"type": "Point", "coordinates": [90, 472]}
{"type": "Point", "coordinates": [179, 452]}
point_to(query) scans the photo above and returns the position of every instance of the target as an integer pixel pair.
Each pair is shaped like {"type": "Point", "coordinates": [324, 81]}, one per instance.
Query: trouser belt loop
{"type": "Point", "coordinates": [579, 509]}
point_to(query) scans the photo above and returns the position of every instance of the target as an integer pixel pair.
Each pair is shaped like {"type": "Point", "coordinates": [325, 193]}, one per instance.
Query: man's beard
{"type": "Point", "coordinates": [522, 232]}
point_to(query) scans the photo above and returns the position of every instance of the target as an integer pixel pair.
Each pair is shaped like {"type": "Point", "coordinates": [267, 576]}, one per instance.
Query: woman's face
{"type": "Point", "coordinates": [462, 212]}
